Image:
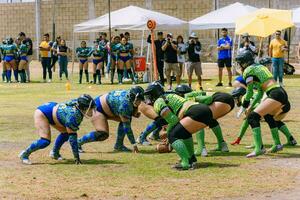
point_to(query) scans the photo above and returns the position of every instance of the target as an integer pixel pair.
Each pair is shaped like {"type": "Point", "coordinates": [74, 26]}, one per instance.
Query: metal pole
{"type": "Point", "coordinates": [53, 20]}
{"type": "Point", "coordinates": [37, 26]}
{"type": "Point", "coordinates": [289, 45]}
{"type": "Point", "coordinates": [109, 22]}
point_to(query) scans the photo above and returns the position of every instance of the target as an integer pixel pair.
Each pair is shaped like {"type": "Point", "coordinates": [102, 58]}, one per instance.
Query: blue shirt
{"type": "Point", "coordinates": [226, 53]}
{"type": "Point", "coordinates": [120, 104]}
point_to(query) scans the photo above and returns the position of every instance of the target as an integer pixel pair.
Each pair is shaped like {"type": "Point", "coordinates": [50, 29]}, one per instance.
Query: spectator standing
{"type": "Point", "coordinates": [276, 51]}
{"type": "Point", "coordinates": [169, 48]}
{"type": "Point", "coordinates": [159, 55]}
{"type": "Point", "coordinates": [103, 42]}
{"type": "Point", "coordinates": [224, 56]}
{"type": "Point", "coordinates": [28, 42]}
{"type": "Point", "coordinates": [193, 50]}
{"type": "Point", "coordinates": [247, 44]}
{"type": "Point", "coordinates": [45, 52]}
{"type": "Point", "coordinates": [63, 52]}
{"type": "Point", "coordinates": [181, 54]}
{"type": "Point", "coordinates": [54, 56]}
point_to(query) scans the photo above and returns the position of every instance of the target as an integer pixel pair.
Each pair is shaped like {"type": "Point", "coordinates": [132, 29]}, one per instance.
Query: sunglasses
{"type": "Point", "coordinates": [278, 34]}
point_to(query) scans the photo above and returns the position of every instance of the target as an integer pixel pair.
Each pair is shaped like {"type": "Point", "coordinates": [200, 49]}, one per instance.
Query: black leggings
{"type": "Point", "coordinates": [200, 113]}
{"type": "Point", "coordinates": [46, 63]}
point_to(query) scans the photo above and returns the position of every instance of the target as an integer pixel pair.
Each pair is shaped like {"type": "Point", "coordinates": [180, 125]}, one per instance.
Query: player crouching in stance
{"type": "Point", "coordinates": [120, 106]}
{"type": "Point", "coordinates": [218, 99]}
{"type": "Point", "coordinates": [64, 117]}
{"type": "Point", "coordinates": [276, 105]}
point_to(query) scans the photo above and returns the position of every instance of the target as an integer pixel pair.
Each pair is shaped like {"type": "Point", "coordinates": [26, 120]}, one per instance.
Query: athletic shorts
{"type": "Point", "coordinates": [194, 66]}
{"type": "Point", "coordinates": [224, 98]}
{"type": "Point", "coordinates": [24, 58]}
{"type": "Point", "coordinates": [99, 106]}
{"type": "Point", "coordinates": [97, 61]}
{"type": "Point", "coordinates": [169, 67]}
{"type": "Point", "coordinates": [8, 58]}
{"type": "Point", "coordinates": [279, 94]}
{"type": "Point", "coordinates": [200, 113]}
{"type": "Point", "coordinates": [83, 61]}
{"type": "Point", "coordinates": [224, 62]}
{"type": "Point", "coordinates": [241, 80]}
{"type": "Point", "coordinates": [124, 58]}
{"type": "Point", "coordinates": [47, 110]}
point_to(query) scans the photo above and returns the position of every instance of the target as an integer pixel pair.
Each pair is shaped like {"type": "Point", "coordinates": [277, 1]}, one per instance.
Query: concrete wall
{"type": "Point", "coordinates": [18, 17]}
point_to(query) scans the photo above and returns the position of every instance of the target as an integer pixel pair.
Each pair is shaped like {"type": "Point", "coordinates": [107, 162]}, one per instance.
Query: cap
{"type": "Point", "coordinates": [193, 35]}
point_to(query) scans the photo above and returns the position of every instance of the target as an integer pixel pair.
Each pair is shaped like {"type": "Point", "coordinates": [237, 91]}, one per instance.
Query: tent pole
{"type": "Point", "coordinates": [142, 43]}
{"type": "Point", "coordinates": [73, 54]}
{"type": "Point", "coordinates": [289, 45]}
{"type": "Point", "coordinates": [233, 52]}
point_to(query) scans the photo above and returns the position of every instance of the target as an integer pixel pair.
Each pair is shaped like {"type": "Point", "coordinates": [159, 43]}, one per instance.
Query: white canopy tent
{"type": "Point", "coordinates": [296, 17]}
{"type": "Point", "coordinates": [222, 18]}
{"type": "Point", "coordinates": [131, 18]}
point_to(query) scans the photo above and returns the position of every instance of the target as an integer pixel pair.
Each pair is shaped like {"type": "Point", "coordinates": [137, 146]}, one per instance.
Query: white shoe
{"type": "Point", "coordinates": [281, 84]}
{"type": "Point", "coordinates": [204, 152]}
{"type": "Point", "coordinates": [253, 153]}
{"type": "Point", "coordinates": [250, 146]}
{"type": "Point", "coordinates": [138, 140]}
{"type": "Point", "coordinates": [49, 81]}
{"type": "Point", "coordinates": [25, 161]}
{"type": "Point", "coordinates": [51, 154]}
{"type": "Point", "coordinates": [146, 143]}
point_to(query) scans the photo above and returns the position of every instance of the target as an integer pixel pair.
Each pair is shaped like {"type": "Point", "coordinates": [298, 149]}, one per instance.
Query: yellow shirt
{"type": "Point", "coordinates": [45, 54]}
{"type": "Point", "coordinates": [277, 46]}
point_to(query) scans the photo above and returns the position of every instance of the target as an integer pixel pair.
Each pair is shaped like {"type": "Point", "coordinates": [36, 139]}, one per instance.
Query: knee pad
{"type": "Point", "coordinates": [253, 119]}
{"type": "Point", "coordinates": [279, 124]}
{"type": "Point", "coordinates": [101, 135]}
{"type": "Point", "coordinates": [178, 132]}
{"type": "Point", "coordinates": [159, 122]}
{"type": "Point", "coordinates": [270, 120]}
{"type": "Point", "coordinates": [43, 143]}
{"type": "Point", "coordinates": [213, 123]}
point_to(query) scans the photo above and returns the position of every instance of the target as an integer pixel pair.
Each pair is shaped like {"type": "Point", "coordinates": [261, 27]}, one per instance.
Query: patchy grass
{"type": "Point", "coordinates": [147, 175]}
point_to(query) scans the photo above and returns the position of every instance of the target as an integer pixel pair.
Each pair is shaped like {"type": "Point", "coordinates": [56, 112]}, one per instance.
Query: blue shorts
{"type": "Point", "coordinates": [97, 61]}
{"type": "Point", "coordinates": [125, 59]}
{"type": "Point", "coordinates": [24, 58]}
{"type": "Point", "coordinates": [8, 58]}
{"type": "Point", "coordinates": [241, 80]}
{"type": "Point", "coordinates": [47, 110]}
{"type": "Point", "coordinates": [99, 106]}
{"type": "Point", "coordinates": [82, 61]}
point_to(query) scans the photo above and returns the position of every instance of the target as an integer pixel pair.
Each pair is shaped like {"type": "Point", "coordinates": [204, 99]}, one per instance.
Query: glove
{"type": "Point", "coordinates": [237, 141]}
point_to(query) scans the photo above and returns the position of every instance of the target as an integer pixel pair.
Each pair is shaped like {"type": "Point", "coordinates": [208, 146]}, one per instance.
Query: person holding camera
{"type": "Point", "coordinates": [169, 48]}
{"type": "Point", "coordinates": [224, 56]}
{"type": "Point", "coordinates": [276, 51]}
{"type": "Point", "coordinates": [193, 50]}
{"type": "Point", "coordinates": [247, 44]}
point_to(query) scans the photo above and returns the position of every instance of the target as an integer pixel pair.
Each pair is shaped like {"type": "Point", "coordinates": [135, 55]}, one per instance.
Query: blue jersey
{"type": "Point", "coordinates": [241, 80]}
{"type": "Point", "coordinates": [9, 49]}
{"type": "Point", "coordinates": [68, 115]}
{"type": "Point", "coordinates": [119, 103]}
{"type": "Point", "coordinates": [99, 51]}
{"type": "Point", "coordinates": [84, 51]}
{"type": "Point", "coordinates": [225, 53]}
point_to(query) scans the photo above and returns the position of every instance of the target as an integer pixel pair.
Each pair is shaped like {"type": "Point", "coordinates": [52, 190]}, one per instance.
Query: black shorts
{"type": "Point", "coordinates": [224, 98]}
{"type": "Point", "coordinates": [224, 63]}
{"type": "Point", "coordinates": [279, 94]}
{"type": "Point", "coordinates": [200, 113]}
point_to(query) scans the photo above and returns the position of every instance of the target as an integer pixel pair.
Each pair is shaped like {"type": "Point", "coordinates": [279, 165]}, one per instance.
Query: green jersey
{"type": "Point", "coordinates": [23, 49]}
{"type": "Point", "coordinates": [84, 51]}
{"type": "Point", "coordinates": [255, 76]}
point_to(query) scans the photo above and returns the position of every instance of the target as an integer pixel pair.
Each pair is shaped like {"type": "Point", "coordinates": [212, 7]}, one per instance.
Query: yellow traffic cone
{"type": "Point", "coordinates": [68, 86]}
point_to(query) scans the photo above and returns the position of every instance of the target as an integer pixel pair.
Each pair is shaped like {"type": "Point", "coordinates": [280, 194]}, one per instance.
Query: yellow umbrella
{"type": "Point", "coordinates": [264, 22]}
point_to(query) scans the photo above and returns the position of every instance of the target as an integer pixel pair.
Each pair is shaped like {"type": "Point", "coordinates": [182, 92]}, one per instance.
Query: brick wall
{"type": "Point", "coordinates": [18, 17]}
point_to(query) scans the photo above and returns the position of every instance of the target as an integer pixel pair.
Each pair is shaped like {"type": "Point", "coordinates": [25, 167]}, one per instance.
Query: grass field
{"type": "Point", "coordinates": [147, 175]}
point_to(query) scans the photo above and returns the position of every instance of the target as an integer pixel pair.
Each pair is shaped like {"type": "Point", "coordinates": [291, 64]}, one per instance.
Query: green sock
{"type": "Point", "coordinates": [189, 143]}
{"type": "Point", "coordinates": [200, 141]}
{"type": "Point", "coordinates": [218, 133]}
{"type": "Point", "coordinates": [182, 152]}
{"type": "Point", "coordinates": [275, 136]}
{"type": "Point", "coordinates": [244, 128]}
{"type": "Point", "coordinates": [257, 139]}
{"type": "Point", "coordinates": [284, 129]}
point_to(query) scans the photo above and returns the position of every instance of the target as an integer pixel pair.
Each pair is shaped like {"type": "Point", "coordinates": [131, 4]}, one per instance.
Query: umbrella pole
{"type": "Point", "coordinates": [260, 46]}
{"type": "Point", "coordinates": [73, 55]}
{"type": "Point", "coordinates": [233, 52]}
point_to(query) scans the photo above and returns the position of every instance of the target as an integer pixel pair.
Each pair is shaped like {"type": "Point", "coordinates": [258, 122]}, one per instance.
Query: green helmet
{"type": "Point", "coordinates": [245, 58]}
{"type": "Point", "coordinates": [183, 89]}
{"type": "Point", "coordinates": [154, 91]}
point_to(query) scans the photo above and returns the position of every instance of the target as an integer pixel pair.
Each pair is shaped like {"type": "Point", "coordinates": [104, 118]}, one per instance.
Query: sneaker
{"type": "Point", "coordinates": [292, 141]}
{"type": "Point", "coordinates": [49, 81]}
{"type": "Point", "coordinates": [201, 88]}
{"type": "Point", "coordinates": [237, 141]}
{"type": "Point", "coordinates": [154, 137]}
{"type": "Point", "coordinates": [254, 154]}
{"type": "Point", "coordinates": [55, 156]}
{"type": "Point", "coordinates": [222, 148]}
{"type": "Point", "coordinates": [250, 146]}
{"type": "Point", "coordinates": [275, 148]}
{"type": "Point", "coordinates": [219, 84]}
{"type": "Point", "coordinates": [122, 149]}
{"type": "Point", "coordinates": [281, 84]}
{"type": "Point", "coordinates": [24, 159]}
{"type": "Point", "coordinates": [80, 150]}
{"type": "Point", "coordinates": [178, 166]}
{"type": "Point", "coordinates": [230, 84]}
{"type": "Point", "coordinates": [204, 152]}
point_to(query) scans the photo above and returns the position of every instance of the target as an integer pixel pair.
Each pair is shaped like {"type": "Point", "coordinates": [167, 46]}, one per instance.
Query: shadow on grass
{"type": "Point", "coordinates": [84, 162]}
{"type": "Point", "coordinates": [214, 165]}
{"type": "Point", "coordinates": [227, 154]}
{"type": "Point", "coordinates": [284, 155]}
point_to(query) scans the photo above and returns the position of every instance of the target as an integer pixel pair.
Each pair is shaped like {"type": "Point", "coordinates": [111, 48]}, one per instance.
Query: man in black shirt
{"type": "Point", "coordinates": [169, 48]}
{"type": "Point", "coordinates": [159, 55]}
{"type": "Point", "coordinates": [193, 49]}
{"type": "Point", "coordinates": [28, 42]}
